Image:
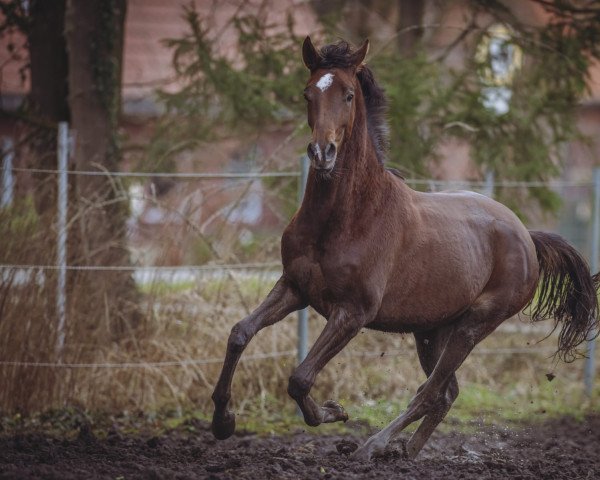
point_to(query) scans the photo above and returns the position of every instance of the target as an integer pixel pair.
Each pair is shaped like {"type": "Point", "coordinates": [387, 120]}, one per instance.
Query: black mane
{"type": "Point", "coordinates": [339, 55]}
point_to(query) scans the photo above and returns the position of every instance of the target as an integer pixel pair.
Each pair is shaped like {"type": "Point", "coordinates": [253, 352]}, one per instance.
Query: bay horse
{"type": "Point", "coordinates": [366, 251]}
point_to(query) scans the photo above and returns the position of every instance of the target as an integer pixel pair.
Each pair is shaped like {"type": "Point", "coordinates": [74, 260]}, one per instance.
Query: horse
{"type": "Point", "coordinates": [367, 251]}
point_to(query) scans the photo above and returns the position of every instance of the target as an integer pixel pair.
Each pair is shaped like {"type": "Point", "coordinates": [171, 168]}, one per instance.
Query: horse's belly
{"type": "Point", "coordinates": [430, 299]}
{"type": "Point", "coordinates": [406, 318]}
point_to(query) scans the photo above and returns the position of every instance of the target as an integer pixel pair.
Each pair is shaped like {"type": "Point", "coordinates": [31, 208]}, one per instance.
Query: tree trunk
{"type": "Point", "coordinates": [48, 96]}
{"type": "Point", "coordinates": [410, 22]}
{"type": "Point", "coordinates": [100, 299]}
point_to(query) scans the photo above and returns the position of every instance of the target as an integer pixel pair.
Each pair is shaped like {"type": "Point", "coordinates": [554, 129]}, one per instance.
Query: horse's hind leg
{"type": "Point", "coordinates": [474, 325]}
{"type": "Point", "coordinates": [339, 330]}
{"type": "Point", "coordinates": [281, 301]}
{"type": "Point", "coordinates": [429, 347]}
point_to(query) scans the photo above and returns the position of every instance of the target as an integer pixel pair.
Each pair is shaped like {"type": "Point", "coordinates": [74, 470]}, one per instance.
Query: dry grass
{"type": "Point", "coordinates": [194, 324]}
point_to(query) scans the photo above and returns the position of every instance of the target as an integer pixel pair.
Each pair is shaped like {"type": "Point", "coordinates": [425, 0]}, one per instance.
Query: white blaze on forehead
{"type": "Point", "coordinates": [325, 82]}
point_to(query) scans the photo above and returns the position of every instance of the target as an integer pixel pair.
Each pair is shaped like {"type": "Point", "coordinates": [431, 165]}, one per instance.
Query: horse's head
{"type": "Point", "coordinates": [330, 94]}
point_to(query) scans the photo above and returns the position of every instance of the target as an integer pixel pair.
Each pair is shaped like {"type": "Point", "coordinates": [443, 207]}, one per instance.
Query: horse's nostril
{"type": "Point", "coordinates": [330, 150]}
{"type": "Point", "coordinates": [314, 152]}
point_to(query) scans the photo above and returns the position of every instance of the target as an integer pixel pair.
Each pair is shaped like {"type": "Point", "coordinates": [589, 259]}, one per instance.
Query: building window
{"type": "Point", "coordinates": [499, 59]}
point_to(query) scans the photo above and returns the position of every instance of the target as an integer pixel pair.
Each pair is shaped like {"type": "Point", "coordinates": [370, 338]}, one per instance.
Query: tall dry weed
{"type": "Point", "coordinates": [175, 359]}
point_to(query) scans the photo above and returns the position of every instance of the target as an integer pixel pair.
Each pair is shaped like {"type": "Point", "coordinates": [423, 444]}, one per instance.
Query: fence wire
{"type": "Point", "coordinates": [261, 356]}
{"type": "Point", "coordinates": [295, 174]}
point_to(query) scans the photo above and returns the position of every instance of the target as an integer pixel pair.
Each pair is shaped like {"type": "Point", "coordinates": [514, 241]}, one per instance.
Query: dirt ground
{"type": "Point", "coordinates": [562, 448]}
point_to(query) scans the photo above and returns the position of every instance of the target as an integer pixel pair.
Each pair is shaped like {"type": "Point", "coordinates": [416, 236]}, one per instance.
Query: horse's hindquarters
{"type": "Point", "coordinates": [461, 246]}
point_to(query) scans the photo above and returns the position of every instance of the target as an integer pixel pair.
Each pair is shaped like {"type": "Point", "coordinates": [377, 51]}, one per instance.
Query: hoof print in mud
{"type": "Point", "coordinates": [346, 447]}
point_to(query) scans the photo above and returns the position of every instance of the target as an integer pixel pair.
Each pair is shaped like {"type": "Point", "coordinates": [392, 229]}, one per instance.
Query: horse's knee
{"type": "Point", "coordinates": [298, 386]}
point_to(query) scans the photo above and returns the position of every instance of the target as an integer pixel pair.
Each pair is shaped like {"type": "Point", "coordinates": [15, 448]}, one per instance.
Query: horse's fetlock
{"type": "Point", "coordinates": [451, 394]}
{"type": "Point", "coordinates": [298, 386]}
{"type": "Point", "coordinates": [312, 422]}
{"type": "Point", "coordinates": [220, 398]}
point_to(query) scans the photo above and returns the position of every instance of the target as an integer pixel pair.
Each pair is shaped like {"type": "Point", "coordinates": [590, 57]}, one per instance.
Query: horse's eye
{"type": "Point", "coordinates": [305, 95]}
{"type": "Point", "coordinates": [349, 97]}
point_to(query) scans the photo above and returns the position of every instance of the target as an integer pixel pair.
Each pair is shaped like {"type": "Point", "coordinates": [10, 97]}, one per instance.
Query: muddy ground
{"type": "Point", "coordinates": [563, 448]}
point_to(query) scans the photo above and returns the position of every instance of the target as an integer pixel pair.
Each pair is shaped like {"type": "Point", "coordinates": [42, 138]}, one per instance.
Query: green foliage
{"type": "Point", "coordinates": [259, 86]}
{"type": "Point", "coordinates": [14, 15]}
{"type": "Point", "coordinates": [416, 98]}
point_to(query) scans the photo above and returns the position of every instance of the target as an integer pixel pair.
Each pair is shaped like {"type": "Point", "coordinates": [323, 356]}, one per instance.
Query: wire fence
{"type": "Point", "coordinates": [576, 223]}
{"type": "Point", "coordinates": [473, 184]}
{"type": "Point", "coordinates": [261, 356]}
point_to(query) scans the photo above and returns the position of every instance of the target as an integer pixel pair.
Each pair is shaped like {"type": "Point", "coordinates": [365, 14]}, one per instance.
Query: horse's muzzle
{"type": "Point", "coordinates": [322, 160]}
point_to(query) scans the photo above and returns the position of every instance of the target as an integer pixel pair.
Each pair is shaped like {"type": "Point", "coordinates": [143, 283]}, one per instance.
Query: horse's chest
{"type": "Point", "coordinates": [307, 275]}
{"type": "Point", "coordinates": [321, 274]}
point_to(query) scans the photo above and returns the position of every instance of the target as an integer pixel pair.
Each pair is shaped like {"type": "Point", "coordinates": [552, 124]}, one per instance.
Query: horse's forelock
{"type": "Point", "coordinates": [336, 55]}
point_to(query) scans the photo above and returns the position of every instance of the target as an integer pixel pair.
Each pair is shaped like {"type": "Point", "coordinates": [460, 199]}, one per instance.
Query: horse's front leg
{"type": "Point", "coordinates": [282, 300]}
{"type": "Point", "coordinates": [339, 330]}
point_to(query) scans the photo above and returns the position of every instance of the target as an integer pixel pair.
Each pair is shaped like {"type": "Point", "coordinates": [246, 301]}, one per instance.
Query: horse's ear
{"type": "Point", "coordinates": [310, 56]}
{"type": "Point", "coordinates": [358, 57]}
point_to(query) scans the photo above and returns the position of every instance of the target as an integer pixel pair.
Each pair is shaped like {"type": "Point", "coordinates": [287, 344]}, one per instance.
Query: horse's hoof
{"type": "Point", "coordinates": [223, 426]}
{"type": "Point", "coordinates": [362, 454]}
{"type": "Point", "coordinates": [333, 412]}
{"type": "Point", "coordinates": [373, 447]}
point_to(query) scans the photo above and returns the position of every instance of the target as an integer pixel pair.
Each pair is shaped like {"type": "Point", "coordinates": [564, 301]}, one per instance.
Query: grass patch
{"type": "Point", "coordinates": [512, 404]}
{"type": "Point", "coordinates": [477, 406]}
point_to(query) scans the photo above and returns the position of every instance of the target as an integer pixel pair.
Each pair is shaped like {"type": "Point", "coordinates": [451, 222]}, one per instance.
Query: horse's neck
{"type": "Point", "coordinates": [356, 184]}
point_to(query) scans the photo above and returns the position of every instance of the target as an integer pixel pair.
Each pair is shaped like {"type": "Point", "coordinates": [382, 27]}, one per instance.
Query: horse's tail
{"type": "Point", "coordinates": [567, 292]}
